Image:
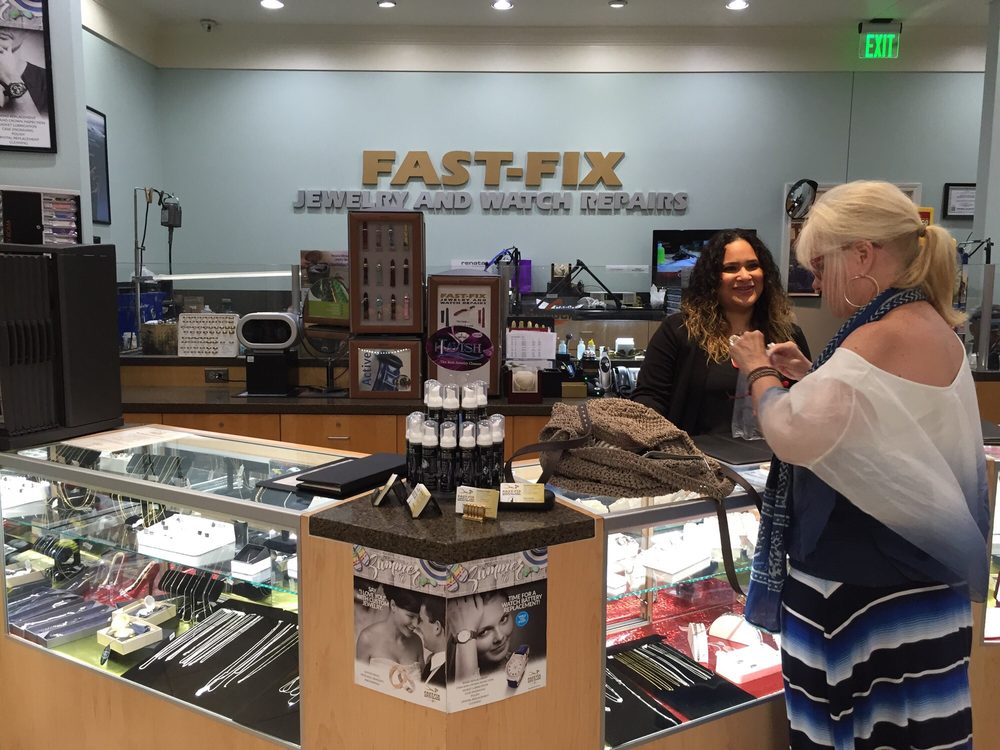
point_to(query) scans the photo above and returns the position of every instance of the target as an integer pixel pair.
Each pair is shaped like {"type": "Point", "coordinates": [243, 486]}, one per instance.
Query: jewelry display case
{"type": "Point", "coordinates": [152, 555]}
{"type": "Point", "coordinates": [677, 650]}
{"type": "Point", "coordinates": [387, 271]}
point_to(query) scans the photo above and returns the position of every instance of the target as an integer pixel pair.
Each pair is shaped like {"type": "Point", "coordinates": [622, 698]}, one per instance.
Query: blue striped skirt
{"type": "Point", "coordinates": [873, 668]}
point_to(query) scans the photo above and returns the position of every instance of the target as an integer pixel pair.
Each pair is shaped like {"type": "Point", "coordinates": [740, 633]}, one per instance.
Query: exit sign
{"type": "Point", "coordinates": [879, 41]}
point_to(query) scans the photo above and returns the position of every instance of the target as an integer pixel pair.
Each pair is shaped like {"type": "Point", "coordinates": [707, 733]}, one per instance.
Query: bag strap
{"type": "Point", "coordinates": [720, 510]}
{"type": "Point", "coordinates": [559, 446]}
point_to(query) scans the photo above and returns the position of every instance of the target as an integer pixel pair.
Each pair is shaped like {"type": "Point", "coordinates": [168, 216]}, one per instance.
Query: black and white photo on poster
{"type": "Point", "coordinates": [27, 120]}
{"type": "Point", "coordinates": [498, 644]}
{"type": "Point", "coordinates": [450, 636]}
{"type": "Point", "coordinates": [401, 642]}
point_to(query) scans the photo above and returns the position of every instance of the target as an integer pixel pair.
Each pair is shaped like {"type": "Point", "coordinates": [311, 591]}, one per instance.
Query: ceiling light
{"type": "Point", "coordinates": [386, 4]}
{"type": "Point", "coordinates": [271, 4]}
{"type": "Point", "coordinates": [502, 4]}
{"type": "Point", "coordinates": [737, 5]}
{"type": "Point", "coordinates": [618, 3]}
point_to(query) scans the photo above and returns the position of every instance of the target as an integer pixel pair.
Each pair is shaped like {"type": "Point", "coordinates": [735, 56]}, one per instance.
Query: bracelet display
{"type": "Point", "coordinates": [761, 372]}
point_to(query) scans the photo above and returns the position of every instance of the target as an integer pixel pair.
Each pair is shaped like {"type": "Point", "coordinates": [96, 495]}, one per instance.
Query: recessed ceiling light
{"type": "Point", "coordinates": [271, 4]}
{"type": "Point", "coordinates": [502, 4]}
{"type": "Point", "coordinates": [737, 5]}
{"type": "Point", "coordinates": [618, 3]}
{"type": "Point", "coordinates": [386, 4]}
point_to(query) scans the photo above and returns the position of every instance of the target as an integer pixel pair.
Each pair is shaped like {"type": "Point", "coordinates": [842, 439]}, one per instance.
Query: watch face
{"type": "Point", "coordinates": [15, 90]}
{"type": "Point", "coordinates": [516, 665]}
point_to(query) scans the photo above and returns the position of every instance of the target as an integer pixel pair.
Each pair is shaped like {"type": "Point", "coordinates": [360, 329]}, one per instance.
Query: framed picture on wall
{"type": "Point", "coordinates": [27, 120]}
{"type": "Point", "coordinates": [959, 200]}
{"type": "Point", "coordinates": [97, 148]}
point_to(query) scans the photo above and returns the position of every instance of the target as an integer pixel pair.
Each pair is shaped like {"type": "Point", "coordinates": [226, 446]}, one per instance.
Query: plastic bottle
{"type": "Point", "coordinates": [484, 449]}
{"type": "Point", "coordinates": [481, 398]}
{"type": "Point", "coordinates": [414, 445]}
{"type": "Point", "coordinates": [447, 456]}
{"type": "Point", "coordinates": [429, 463]}
{"type": "Point", "coordinates": [429, 386]}
{"type": "Point", "coordinates": [470, 398]}
{"type": "Point", "coordinates": [434, 401]}
{"type": "Point", "coordinates": [591, 348]}
{"type": "Point", "coordinates": [450, 403]}
{"type": "Point", "coordinates": [497, 429]}
{"type": "Point", "coordinates": [562, 347]}
{"type": "Point", "coordinates": [581, 349]}
{"type": "Point", "coordinates": [467, 467]}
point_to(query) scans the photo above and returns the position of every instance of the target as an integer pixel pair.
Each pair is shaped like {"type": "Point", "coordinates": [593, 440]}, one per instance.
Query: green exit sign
{"type": "Point", "coordinates": [879, 46]}
{"type": "Point", "coordinates": [879, 41]}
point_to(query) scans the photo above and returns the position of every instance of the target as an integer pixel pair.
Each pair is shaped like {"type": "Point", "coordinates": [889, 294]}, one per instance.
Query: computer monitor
{"type": "Point", "coordinates": [675, 250]}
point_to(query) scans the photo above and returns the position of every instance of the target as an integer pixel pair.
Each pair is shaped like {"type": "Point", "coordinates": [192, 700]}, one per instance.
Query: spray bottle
{"type": "Point", "coordinates": [450, 403]}
{"type": "Point", "coordinates": [469, 400]}
{"type": "Point", "coordinates": [467, 467]}
{"type": "Point", "coordinates": [435, 402]}
{"type": "Point", "coordinates": [481, 398]}
{"type": "Point", "coordinates": [484, 451]}
{"type": "Point", "coordinates": [414, 445]}
{"type": "Point", "coordinates": [429, 460]}
{"type": "Point", "coordinates": [497, 427]}
{"type": "Point", "coordinates": [446, 460]}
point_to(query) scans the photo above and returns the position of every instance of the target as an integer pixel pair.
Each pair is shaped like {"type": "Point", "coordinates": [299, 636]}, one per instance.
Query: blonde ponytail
{"type": "Point", "coordinates": [931, 266]}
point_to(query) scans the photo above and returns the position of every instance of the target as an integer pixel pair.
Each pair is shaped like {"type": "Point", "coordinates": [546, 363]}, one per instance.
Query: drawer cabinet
{"type": "Point", "coordinates": [249, 425]}
{"type": "Point", "coordinates": [364, 433]}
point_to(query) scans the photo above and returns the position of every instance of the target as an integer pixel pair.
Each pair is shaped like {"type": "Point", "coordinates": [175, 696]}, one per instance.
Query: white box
{"type": "Point", "coordinates": [748, 663]}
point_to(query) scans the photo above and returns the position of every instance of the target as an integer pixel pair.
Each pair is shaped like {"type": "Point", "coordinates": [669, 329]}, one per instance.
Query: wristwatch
{"type": "Point", "coordinates": [516, 665]}
{"type": "Point", "coordinates": [15, 90]}
{"type": "Point", "coordinates": [463, 636]}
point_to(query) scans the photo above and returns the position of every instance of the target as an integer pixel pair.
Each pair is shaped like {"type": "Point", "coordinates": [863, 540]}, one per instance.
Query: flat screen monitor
{"type": "Point", "coordinates": [675, 250]}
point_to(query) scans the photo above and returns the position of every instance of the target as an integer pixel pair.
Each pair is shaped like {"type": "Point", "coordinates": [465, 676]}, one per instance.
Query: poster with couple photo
{"type": "Point", "coordinates": [450, 637]}
{"type": "Point", "coordinates": [26, 110]}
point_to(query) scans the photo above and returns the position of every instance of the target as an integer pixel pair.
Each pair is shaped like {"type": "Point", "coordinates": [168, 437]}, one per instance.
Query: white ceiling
{"type": "Point", "coordinates": [558, 13]}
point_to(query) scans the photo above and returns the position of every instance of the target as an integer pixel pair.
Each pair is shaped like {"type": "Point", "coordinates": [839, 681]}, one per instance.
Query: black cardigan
{"type": "Point", "coordinates": [672, 377]}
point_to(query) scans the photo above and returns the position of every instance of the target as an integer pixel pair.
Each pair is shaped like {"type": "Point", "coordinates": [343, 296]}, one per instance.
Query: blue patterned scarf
{"type": "Point", "coordinates": [767, 576]}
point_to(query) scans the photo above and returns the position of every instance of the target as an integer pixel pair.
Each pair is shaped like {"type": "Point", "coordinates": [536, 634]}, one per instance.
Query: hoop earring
{"type": "Point", "coordinates": [878, 289]}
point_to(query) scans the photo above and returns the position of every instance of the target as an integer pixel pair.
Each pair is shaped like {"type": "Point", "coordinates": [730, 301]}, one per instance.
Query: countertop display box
{"type": "Point", "coordinates": [387, 271]}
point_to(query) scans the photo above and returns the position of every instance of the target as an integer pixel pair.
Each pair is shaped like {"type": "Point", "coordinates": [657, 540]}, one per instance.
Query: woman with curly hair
{"type": "Point", "coordinates": [687, 375]}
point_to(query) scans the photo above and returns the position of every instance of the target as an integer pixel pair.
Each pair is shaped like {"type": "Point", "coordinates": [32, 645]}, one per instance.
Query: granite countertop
{"type": "Point", "coordinates": [225, 399]}
{"type": "Point", "coordinates": [447, 538]}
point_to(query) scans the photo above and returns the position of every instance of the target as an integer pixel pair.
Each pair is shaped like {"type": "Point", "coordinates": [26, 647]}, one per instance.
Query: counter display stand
{"type": "Point", "coordinates": [150, 557]}
{"type": "Point", "coordinates": [642, 642]}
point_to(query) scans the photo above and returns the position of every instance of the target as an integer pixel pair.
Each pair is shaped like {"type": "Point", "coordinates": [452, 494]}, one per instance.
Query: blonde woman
{"type": "Point", "coordinates": [878, 493]}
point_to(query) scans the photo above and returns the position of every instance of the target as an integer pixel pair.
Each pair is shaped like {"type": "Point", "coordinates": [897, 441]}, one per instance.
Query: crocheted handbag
{"type": "Point", "coordinates": [617, 447]}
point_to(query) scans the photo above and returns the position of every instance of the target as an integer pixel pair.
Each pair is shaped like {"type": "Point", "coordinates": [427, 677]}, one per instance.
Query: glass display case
{"type": "Point", "coordinates": [677, 649]}
{"type": "Point", "coordinates": [156, 555]}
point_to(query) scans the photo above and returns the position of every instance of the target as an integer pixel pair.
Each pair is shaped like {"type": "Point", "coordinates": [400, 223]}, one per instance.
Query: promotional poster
{"type": "Point", "coordinates": [450, 637]}
{"type": "Point", "coordinates": [26, 122]}
{"type": "Point", "coordinates": [325, 277]}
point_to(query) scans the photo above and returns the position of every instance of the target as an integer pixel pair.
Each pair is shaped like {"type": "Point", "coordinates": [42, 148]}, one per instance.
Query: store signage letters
{"type": "Point", "coordinates": [575, 171]}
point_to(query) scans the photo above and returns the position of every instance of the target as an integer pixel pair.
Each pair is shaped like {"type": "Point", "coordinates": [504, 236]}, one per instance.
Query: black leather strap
{"type": "Point", "coordinates": [720, 511]}
{"type": "Point", "coordinates": [556, 446]}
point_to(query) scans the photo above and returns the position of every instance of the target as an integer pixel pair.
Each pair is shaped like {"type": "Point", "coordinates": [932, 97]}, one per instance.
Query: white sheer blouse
{"type": "Point", "coordinates": [908, 454]}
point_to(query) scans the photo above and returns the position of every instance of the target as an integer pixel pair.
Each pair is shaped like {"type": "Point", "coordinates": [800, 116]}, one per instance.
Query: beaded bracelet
{"type": "Point", "coordinates": [761, 372]}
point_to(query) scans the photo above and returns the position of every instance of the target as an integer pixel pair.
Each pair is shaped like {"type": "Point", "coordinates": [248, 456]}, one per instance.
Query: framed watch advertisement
{"type": "Point", "coordinates": [385, 368]}
{"type": "Point", "coordinates": [386, 257]}
{"type": "Point", "coordinates": [464, 328]}
{"type": "Point", "coordinates": [27, 121]}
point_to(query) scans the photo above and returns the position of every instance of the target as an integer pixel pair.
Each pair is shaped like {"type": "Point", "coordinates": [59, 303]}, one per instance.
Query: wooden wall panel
{"type": "Point", "coordinates": [251, 425]}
